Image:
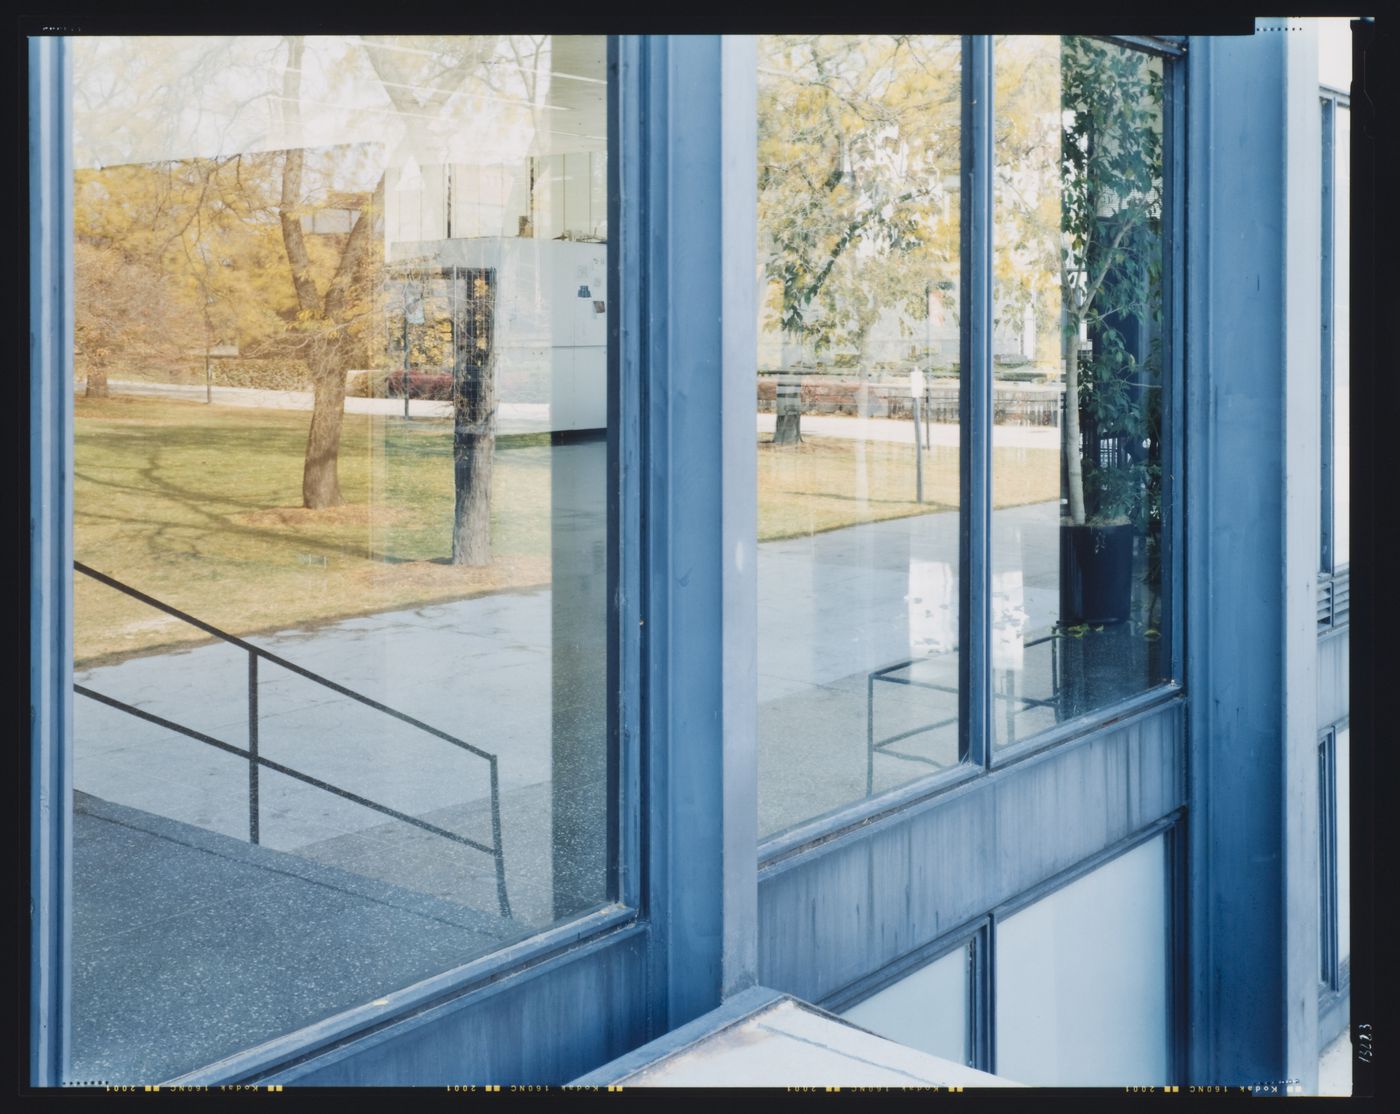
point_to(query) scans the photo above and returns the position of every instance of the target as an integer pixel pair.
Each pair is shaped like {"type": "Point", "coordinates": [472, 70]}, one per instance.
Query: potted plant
{"type": "Point", "coordinates": [1111, 188]}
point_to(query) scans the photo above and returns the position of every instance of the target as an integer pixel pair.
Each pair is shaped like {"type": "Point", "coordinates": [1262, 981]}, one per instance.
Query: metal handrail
{"type": "Point", "coordinates": [256, 760]}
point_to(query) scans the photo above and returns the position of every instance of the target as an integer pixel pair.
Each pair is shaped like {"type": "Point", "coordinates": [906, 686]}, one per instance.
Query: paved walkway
{"type": "Point", "coordinates": [833, 607]}
{"type": "Point", "coordinates": [189, 946]}
{"type": "Point", "coordinates": [902, 429]}
{"type": "Point", "coordinates": [533, 417]}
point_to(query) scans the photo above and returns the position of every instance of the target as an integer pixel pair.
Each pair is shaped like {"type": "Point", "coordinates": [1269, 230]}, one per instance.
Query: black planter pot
{"type": "Point", "coordinates": [1096, 573]}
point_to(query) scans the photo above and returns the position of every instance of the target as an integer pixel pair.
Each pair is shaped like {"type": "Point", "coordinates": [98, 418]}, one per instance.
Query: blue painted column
{"type": "Point", "coordinates": [50, 553]}
{"type": "Point", "coordinates": [1252, 503]}
{"type": "Point", "coordinates": [696, 328]}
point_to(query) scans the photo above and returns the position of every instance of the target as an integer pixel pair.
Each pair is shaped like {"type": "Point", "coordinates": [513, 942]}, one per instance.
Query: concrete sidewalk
{"type": "Point", "coordinates": [902, 429]}
{"type": "Point", "coordinates": [833, 607]}
{"type": "Point", "coordinates": [189, 946]}
{"type": "Point", "coordinates": [534, 417]}
{"type": "Point", "coordinates": [511, 417]}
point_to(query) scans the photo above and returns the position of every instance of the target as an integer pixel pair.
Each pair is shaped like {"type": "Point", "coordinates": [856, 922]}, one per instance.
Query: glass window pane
{"type": "Point", "coordinates": [1077, 380]}
{"type": "Point", "coordinates": [927, 1009]}
{"type": "Point", "coordinates": [1343, 815]}
{"type": "Point", "coordinates": [858, 213]}
{"type": "Point", "coordinates": [1341, 351]}
{"type": "Point", "coordinates": [1081, 979]}
{"type": "Point", "coordinates": [323, 361]}
{"type": "Point", "coordinates": [1327, 838]}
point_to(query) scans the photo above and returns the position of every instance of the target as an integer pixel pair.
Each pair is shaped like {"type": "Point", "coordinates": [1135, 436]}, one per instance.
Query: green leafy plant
{"type": "Point", "coordinates": [1111, 258]}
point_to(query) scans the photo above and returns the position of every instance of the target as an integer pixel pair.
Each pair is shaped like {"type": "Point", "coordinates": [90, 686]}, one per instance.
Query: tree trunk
{"type": "Point", "coordinates": [473, 448]}
{"type": "Point", "coordinates": [473, 414]}
{"type": "Point", "coordinates": [788, 430]}
{"type": "Point", "coordinates": [96, 383]}
{"type": "Point", "coordinates": [788, 404]}
{"type": "Point", "coordinates": [1073, 450]}
{"type": "Point", "coordinates": [320, 477]}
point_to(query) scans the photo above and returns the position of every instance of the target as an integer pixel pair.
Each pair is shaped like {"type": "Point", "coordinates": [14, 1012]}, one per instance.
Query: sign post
{"type": "Point", "coordinates": [916, 393]}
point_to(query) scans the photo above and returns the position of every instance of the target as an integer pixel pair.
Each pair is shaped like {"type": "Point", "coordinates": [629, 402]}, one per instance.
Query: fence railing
{"type": "Point", "coordinates": [258, 761]}
{"type": "Point", "coordinates": [1027, 404]}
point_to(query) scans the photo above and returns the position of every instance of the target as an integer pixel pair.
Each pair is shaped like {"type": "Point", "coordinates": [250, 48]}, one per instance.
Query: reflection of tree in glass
{"type": "Point", "coordinates": [1111, 189]}
{"type": "Point", "coordinates": [126, 310]}
{"type": "Point", "coordinates": [858, 140]}
{"type": "Point", "coordinates": [237, 240]}
{"type": "Point", "coordinates": [331, 321]}
{"type": "Point", "coordinates": [1026, 193]}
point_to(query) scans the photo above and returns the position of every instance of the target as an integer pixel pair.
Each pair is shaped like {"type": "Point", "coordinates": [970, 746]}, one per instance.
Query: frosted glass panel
{"type": "Point", "coordinates": [926, 1010]}
{"type": "Point", "coordinates": [1343, 815]}
{"type": "Point", "coordinates": [1081, 979]}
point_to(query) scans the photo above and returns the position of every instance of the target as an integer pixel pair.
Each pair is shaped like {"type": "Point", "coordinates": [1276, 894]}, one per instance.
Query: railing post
{"type": "Point", "coordinates": [252, 747]}
{"type": "Point", "coordinates": [501, 898]}
{"type": "Point", "coordinates": [869, 735]}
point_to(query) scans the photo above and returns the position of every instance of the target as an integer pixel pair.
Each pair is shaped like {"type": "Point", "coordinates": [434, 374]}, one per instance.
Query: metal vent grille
{"type": "Point", "coordinates": [1334, 600]}
{"type": "Point", "coordinates": [1341, 597]}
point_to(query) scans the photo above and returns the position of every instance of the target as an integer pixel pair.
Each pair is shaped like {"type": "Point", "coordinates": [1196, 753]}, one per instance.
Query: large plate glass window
{"type": "Point", "coordinates": [340, 610]}
{"type": "Point", "coordinates": [858, 476]}
{"type": "Point", "coordinates": [1078, 371]}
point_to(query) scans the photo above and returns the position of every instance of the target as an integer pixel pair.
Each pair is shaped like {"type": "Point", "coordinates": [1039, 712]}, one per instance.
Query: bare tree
{"type": "Point", "coordinates": [127, 310]}
{"type": "Point", "coordinates": [324, 319]}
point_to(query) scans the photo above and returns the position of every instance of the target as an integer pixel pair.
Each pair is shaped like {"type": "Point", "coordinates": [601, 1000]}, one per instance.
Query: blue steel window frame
{"type": "Point", "coordinates": [50, 553]}
{"type": "Point", "coordinates": [977, 757]}
{"type": "Point", "coordinates": [1327, 857]}
{"type": "Point", "coordinates": [51, 557]}
{"type": "Point", "coordinates": [1331, 101]}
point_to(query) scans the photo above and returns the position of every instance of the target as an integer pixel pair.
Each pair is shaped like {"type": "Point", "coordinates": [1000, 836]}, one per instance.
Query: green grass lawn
{"type": "Point", "coordinates": [829, 482]}
{"type": "Point", "coordinates": [200, 506]}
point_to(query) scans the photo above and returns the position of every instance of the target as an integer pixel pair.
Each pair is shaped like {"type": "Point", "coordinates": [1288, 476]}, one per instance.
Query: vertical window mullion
{"type": "Point", "coordinates": [1173, 454]}
{"type": "Point", "coordinates": [50, 555]}
{"type": "Point", "coordinates": [1329, 108]}
{"type": "Point", "coordinates": [975, 404]}
{"type": "Point", "coordinates": [1327, 849]}
{"type": "Point", "coordinates": [626, 400]}
{"type": "Point", "coordinates": [980, 987]}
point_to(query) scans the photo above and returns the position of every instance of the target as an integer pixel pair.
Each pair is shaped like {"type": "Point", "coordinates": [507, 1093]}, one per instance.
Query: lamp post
{"type": "Point", "coordinates": [928, 353]}
{"type": "Point", "coordinates": [405, 349]}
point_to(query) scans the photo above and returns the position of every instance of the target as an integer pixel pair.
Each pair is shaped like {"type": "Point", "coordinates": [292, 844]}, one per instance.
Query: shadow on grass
{"type": "Point", "coordinates": [148, 451]}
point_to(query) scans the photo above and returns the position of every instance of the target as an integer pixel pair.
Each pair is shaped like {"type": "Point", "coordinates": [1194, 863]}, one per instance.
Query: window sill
{"type": "Point", "coordinates": [862, 814]}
